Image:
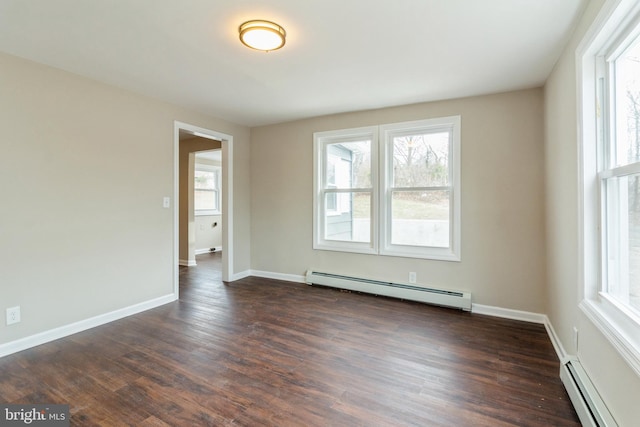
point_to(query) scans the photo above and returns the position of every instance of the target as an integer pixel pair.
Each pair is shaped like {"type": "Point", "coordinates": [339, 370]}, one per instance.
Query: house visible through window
{"type": "Point", "coordinates": [347, 205]}
{"type": "Point", "coordinates": [390, 189]}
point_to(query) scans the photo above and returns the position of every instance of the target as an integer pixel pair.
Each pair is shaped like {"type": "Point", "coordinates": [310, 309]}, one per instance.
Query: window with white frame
{"type": "Point", "coordinates": [344, 196]}
{"type": "Point", "coordinates": [620, 174]}
{"type": "Point", "coordinates": [206, 190]}
{"type": "Point", "coordinates": [609, 71]}
{"type": "Point", "coordinates": [391, 189]}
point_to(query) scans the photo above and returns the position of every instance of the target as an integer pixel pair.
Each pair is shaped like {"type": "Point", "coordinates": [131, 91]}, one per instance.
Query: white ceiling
{"type": "Point", "coordinates": [340, 55]}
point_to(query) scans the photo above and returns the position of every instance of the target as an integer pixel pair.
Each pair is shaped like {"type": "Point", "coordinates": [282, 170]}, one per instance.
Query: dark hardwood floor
{"type": "Point", "coordinates": [260, 352]}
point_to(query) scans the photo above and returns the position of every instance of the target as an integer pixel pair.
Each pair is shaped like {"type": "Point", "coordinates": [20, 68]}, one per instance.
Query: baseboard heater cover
{"type": "Point", "coordinates": [455, 299]}
{"type": "Point", "coordinates": [587, 402]}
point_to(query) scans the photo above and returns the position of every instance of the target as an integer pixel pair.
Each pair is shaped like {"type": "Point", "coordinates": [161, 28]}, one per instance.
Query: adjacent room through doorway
{"type": "Point", "coordinates": [203, 195]}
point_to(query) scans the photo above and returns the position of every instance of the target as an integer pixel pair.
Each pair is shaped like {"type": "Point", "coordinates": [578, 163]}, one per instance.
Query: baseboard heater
{"type": "Point", "coordinates": [587, 402]}
{"type": "Point", "coordinates": [435, 296]}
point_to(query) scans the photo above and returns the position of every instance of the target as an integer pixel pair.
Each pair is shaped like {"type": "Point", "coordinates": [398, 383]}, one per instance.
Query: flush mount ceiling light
{"type": "Point", "coordinates": [262, 35]}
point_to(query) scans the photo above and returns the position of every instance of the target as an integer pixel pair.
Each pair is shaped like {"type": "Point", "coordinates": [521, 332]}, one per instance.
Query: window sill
{"type": "Point", "coordinates": [366, 249]}
{"type": "Point", "coordinates": [207, 213]}
{"type": "Point", "coordinates": [352, 247]}
{"type": "Point", "coordinates": [421, 252]}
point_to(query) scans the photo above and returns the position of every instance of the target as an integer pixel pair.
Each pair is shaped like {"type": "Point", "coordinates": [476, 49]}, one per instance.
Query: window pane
{"type": "Point", "coordinates": [349, 165]}
{"type": "Point", "coordinates": [623, 239]}
{"type": "Point", "coordinates": [421, 160]}
{"type": "Point", "coordinates": [332, 203]}
{"type": "Point", "coordinates": [420, 218]}
{"type": "Point", "coordinates": [204, 200]}
{"type": "Point", "coordinates": [627, 106]}
{"type": "Point", "coordinates": [351, 220]}
{"type": "Point", "coordinates": [205, 180]}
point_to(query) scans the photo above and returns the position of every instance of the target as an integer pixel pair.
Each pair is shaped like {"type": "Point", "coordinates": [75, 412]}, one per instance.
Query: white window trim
{"type": "Point", "coordinates": [618, 324]}
{"type": "Point", "coordinates": [380, 212]}
{"type": "Point", "coordinates": [218, 171]}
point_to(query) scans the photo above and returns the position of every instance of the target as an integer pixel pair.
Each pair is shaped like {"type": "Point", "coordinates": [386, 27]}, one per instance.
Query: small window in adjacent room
{"type": "Point", "coordinates": [206, 191]}
{"type": "Point", "coordinates": [608, 66]}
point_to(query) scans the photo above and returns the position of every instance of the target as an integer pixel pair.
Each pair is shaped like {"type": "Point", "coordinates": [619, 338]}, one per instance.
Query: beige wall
{"type": "Point", "coordinates": [502, 200]}
{"type": "Point", "coordinates": [188, 229]}
{"type": "Point", "coordinates": [83, 231]}
{"type": "Point", "coordinates": [615, 380]}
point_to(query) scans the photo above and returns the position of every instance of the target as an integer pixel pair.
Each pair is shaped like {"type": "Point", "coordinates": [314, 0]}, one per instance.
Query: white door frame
{"type": "Point", "coordinates": [227, 197]}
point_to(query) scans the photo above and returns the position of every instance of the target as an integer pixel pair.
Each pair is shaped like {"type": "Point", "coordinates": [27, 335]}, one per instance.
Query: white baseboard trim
{"type": "Point", "coordinates": [82, 325]}
{"type": "Point", "coordinates": [268, 275]}
{"type": "Point", "coordinates": [279, 276]}
{"type": "Point", "coordinates": [507, 313]}
{"type": "Point", "coordinates": [240, 275]}
{"type": "Point", "coordinates": [187, 262]}
{"type": "Point", "coordinates": [207, 250]}
{"type": "Point", "coordinates": [555, 340]}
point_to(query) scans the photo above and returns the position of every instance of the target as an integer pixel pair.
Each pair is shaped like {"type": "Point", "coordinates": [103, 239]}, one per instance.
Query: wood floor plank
{"type": "Point", "coordinates": [271, 353]}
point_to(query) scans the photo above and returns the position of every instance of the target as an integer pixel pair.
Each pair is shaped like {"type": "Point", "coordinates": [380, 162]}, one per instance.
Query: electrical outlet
{"type": "Point", "coordinates": [575, 338]}
{"type": "Point", "coordinates": [413, 277]}
{"type": "Point", "coordinates": [13, 315]}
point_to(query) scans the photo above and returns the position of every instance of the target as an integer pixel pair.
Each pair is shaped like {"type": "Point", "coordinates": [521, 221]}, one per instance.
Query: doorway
{"type": "Point", "coordinates": [224, 143]}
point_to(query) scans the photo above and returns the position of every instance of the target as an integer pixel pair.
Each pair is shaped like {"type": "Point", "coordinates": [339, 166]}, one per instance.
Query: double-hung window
{"type": "Point", "coordinates": [620, 172]}
{"type": "Point", "coordinates": [609, 72]}
{"type": "Point", "coordinates": [206, 190]}
{"type": "Point", "coordinates": [344, 199]}
{"type": "Point", "coordinates": [392, 189]}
